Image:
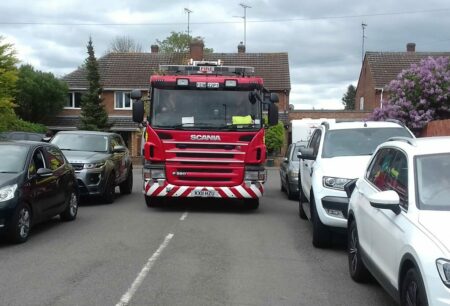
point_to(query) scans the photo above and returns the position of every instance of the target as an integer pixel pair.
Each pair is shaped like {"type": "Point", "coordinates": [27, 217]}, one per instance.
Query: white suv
{"type": "Point", "coordinates": [337, 153]}
{"type": "Point", "coordinates": [399, 215]}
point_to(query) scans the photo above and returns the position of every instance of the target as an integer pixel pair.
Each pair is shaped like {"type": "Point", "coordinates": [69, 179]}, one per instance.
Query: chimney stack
{"type": "Point", "coordinates": [241, 48]}
{"type": "Point", "coordinates": [411, 47]}
{"type": "Point", "coordinates": [154, 48]}
{"type": "Point", "coordinates": [196, 49]}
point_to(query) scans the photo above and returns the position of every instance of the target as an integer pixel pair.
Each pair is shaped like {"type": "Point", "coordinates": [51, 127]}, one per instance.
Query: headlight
{"type": "Point", "coordinates": [94, 165]}
{"type": "Point", "coordinates": [335, 182]}
{"type": "Point", "coordinates": [154, 173]}
{"type": "Point", "coordinates": [293, 174]}
{"type": "Point", "coordinates": [255, 175]}
{"type": "Point", "coordinates": [7, 192]}
{"type": "Point", "coordinates": [443, 267]}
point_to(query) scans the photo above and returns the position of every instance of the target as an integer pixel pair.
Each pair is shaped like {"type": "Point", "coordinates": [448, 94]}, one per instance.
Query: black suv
{"type": "Point", "coordinates": [101, 162]}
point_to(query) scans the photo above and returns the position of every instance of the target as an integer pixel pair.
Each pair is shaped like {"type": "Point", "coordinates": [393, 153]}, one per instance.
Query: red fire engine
{"type": "Point", "coordinates": [204, 134]}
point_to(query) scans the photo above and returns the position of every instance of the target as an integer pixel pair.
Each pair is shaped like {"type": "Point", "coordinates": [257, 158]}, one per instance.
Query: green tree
{"type": "Point", "coordinates": [349, 98]}
{"type": "Point", "coordinates": [8, 74]}
{"type": "Point", "coordinates": [40, 95]}
{"type": "Point", "coordinates": [275, 138]}
{"type": "Point", "coordinates": [124, 44]}
{"type": "Point", "coordinates": [178, 42]}
{"type": "Point", "coordinates": [93, 113]}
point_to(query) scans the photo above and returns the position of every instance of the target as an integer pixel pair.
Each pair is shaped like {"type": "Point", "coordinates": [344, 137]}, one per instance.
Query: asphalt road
{"type": "Point", "coordinates": [186, 253]}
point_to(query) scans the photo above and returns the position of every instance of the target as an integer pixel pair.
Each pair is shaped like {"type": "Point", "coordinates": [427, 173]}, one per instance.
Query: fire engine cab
{"type": "Point", "coordinates": [204, 133]}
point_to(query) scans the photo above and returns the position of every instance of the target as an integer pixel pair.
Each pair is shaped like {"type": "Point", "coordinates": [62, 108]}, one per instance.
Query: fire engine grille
{"type": "Point", "coordinates": [205, 146]}
{"type": "Point", "coordinates": [219, 175]}
{"type": "Point", "coordinates": [205, 155]}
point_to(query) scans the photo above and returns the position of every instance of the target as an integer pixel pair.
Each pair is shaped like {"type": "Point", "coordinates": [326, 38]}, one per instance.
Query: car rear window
{"type": "Point", "coordinates": [354, 142]}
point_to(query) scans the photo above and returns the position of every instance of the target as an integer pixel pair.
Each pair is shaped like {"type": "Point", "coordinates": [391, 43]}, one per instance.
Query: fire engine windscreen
{"type": "Point", "coordinates": [204, 109]}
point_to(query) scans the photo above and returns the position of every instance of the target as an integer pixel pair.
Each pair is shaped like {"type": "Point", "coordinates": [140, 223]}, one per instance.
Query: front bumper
{"type": "Point", "coordinates": [161, 188]}
{"type": "Point", "coordinates": [7, 209]}
{"type": "Point", "coordinates": [91, 182]}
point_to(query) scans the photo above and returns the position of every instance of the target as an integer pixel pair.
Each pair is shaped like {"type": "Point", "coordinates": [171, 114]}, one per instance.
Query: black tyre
{"type": "Point", "coordinates": [126, 187]}
{"type": "Point", "coordinates": [413, 290]}
{"type": "Point", "coordinates": [70, 213]}
{"type": "Point", "coordinates": [282, 186]}
{"type": "Point", "coordinates": [301, 211]}
{"type": "Point", "coordinates": [321, 233]}
{"type": "Point", "coordinates": [252, 204]}
{"type": "Point", "coordinates": [20, 224]}
{"type": "Point", "coordinates": [290, 194]}
{"type": "Point", "coordinates": [109, 193]}
{"type": "Point", "coordinates": [356, 267]}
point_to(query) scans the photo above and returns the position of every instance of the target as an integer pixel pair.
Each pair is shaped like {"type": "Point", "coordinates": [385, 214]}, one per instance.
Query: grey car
{"type": "Point", "coordinates": [101, 162]}
{"type": "Point", "coordinates": [289, 170]}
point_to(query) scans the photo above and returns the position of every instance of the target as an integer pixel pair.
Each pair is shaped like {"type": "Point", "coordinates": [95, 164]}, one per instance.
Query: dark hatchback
{"type": "Point", "coordinates": [36, 183]}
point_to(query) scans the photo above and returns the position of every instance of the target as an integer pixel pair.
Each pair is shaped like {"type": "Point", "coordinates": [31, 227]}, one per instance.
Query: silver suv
{"type": "Point", "coordinates": [101, 162]}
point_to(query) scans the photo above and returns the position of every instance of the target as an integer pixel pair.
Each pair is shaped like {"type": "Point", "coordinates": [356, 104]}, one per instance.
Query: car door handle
{"type": "Point", "coordinates": [306, 165]}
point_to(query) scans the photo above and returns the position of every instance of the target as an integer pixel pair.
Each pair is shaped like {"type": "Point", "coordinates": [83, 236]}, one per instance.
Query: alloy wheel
{"type": "Point", "coordinates": [411, 294]}
{"type": "Point", "coordinates": [24, 222]}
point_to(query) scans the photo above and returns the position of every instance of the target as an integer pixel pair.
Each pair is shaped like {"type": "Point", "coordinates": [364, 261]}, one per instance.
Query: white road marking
{"type": "Point", "coordinates": [141, 276]}
{"type": "Point", "coordinates": [183, 216]}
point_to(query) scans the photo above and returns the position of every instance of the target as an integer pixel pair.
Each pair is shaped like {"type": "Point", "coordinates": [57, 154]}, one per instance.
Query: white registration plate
{"type": "Point", "coordinates": [204, 193]}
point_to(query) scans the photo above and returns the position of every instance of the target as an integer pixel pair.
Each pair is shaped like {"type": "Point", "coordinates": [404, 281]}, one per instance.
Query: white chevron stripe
{"type": "Point", "coordinates": [152, 189]}
{"type": "Point", "coordinates": [164, 191]}
{"type": "Point", "coordinates": [256, 190]}
{"type": "Point", "coordinates": [180, 191]}
{"type": "Point", "coordinates": [228, 192]}
{"type": "Point", "coordinates": [242, 191]}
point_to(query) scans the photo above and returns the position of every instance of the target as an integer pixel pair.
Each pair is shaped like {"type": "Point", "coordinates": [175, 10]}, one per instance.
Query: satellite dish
{"type": "Point", "coordinates": [291, 107]}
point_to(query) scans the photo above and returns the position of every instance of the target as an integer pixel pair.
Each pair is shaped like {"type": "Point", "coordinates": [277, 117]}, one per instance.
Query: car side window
{"type": "Point", "coordinates": [315, 141]}
{"type": "Point", "coordinates": [398, 178]}
{"type": "Point", "coordinates": [37, 162]}
{"type": "Point", "coordinates": [288, 151]}
{"type": "Point", "coordinates": [379, 169]}
{"type": "Point", "coordinates": [55, 158]}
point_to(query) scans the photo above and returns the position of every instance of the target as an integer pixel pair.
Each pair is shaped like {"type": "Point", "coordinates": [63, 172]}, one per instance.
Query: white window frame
{"type": "Point", "coordinates": [361, 103]}
{"type": "Point", "coordinates": [123, 92]}
{"type": "Point", "coordinates": [72, 101]}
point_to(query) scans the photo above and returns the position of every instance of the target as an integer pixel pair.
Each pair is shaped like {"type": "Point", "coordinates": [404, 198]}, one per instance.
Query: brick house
{"type": "Point", "coordinates": [122, 72]}
{"type": "Point", "coordinates": [379, 68]}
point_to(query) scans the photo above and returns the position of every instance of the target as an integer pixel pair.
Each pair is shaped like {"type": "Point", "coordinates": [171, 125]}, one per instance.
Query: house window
{"type": "Point", "coordinates": [73, 99]}
{"type": "Point", "coordinates": [122, 100]}
{"type": "Point", "coordinates": [361, 103]}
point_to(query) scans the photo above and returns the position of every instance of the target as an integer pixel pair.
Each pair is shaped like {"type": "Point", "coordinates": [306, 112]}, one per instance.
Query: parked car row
{"type": "Point", "coordinates": [389, 193]}
{"type": "Point", "coordinates": [40, 180]}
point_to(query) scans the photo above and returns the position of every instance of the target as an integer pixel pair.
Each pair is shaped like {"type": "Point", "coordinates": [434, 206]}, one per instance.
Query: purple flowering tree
{"type": "Point", "coordinates": [419, 94]}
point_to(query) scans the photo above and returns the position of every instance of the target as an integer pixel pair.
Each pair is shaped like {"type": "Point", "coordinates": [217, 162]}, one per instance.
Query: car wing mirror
{"type": "Point", "coordinates": [349, 187]}
{"type": "Point", "coordinates": [388, 199]}
{"type": "Point", "coordinates": [306, 153]}
{"type": "Point", "coordinates": [44, 172]}
{"type": "Point", "coordinates": [119, 149]}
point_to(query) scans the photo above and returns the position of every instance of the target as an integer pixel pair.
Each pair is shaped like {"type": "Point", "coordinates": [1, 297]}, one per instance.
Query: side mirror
{"type": "Point", "coordinates": [44, 172]}
{"type": "Point", "coordinates": [273, 114]}
{"type": "Point", "coordinates": [349, 187]}
{"type": "Point", "coordinates": [306, 153]}
{"type": "Point", "coordinates": [274, 97]}
{"type": "Point", "coordinates": [138, 111]}
{"type": "Point", "coordinates": [119, 149]}
{"type": "Point", "coordinates": [285, 160]}
{"type": "Point", "coordinates": [388, 199]}
{"type": "Point", "coordinates": [136, 94]}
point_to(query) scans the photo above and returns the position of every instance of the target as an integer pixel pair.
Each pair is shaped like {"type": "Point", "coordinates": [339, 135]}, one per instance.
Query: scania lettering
{"type": "Point", "coordinates": [206, 137]}
{"type": "Point", "coordinates": [204, 133]}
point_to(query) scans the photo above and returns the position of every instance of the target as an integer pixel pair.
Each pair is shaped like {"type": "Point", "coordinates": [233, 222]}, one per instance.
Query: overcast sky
{"type": "Point", "coordinates": [323, 38]}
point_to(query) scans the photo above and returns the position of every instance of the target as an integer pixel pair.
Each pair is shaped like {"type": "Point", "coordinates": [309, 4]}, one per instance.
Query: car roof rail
{"type": "Point", "coordinates": [408, 140]}
{"type": "Point", "coordinates": [326, 124]}
{"type": "Point", "coordinates": [399, 122]}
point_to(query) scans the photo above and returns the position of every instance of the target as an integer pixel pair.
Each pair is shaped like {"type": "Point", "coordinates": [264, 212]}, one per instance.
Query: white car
{"type": "Point", "coordinates": [399, 221]}
{"type": "Point", "coordinates": [337, 153]}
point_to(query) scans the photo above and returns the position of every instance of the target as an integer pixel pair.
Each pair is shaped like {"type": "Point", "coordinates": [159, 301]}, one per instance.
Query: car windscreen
{"type": "Point", "coordinates": [13, 158]}
{"type": "Point", "coordinates": [81, 142]}
{"type": "Point", "coordinates": [361, 141]}
{"type": "Point", "coordinates": [432, 174]}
